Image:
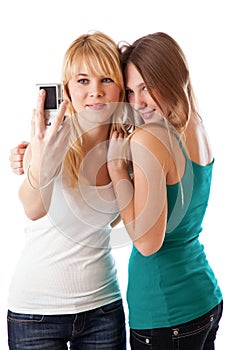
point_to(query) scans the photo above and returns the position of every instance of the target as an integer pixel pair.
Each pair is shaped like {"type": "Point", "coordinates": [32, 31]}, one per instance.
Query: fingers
{"type": "Point", "coordinates": [38, 121]}
{"type": "Point", "coordinates": [60, 125]}
{"type": "Point", "coordinates": [117, 135]}
{"type": "Point", "coordinates": [20, 148]}
{"type": "Point", "coordinates": [62, 136]}
{"type": "Point", "coordinates": [16, 162]}
{"type": "Point", "coordinates": [38, 125]}
{"type": "Point", "coordinates": [33, 120]}
{"type": "Point", "coordinates": [60, 118]}
{"type": "Point", "coordinates": [17, 168]}
{"type": "Point", "coordinates": [16, 157]}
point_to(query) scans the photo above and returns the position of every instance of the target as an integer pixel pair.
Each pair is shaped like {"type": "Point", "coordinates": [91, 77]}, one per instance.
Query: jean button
{"type": "Point", "coordinates": [147, 340]}
{"type": "Point", "coordinates": [175, 332]}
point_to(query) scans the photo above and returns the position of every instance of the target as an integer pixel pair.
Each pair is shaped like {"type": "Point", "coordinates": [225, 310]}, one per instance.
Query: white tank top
{"type": "Point", "coordinates": [66, 265]}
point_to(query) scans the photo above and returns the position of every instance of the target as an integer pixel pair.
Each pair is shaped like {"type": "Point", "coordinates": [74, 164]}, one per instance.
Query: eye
{"type": "Point", "coordinates": [83, 81]}
{"type": "Point", "coordinates": [144, 88]}
{"type": "Point", "coordinates": [107, 80]}
{"type": "Point", "coordinates": [128, 92]}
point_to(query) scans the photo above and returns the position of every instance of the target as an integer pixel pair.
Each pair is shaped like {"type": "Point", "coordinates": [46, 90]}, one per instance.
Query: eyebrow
{"type": "Point", "coordinates": [137, 86]}
{"type": "Point", "coordinates": [83, 74]}
{"type": "Point", "coordinates": [78, 75]}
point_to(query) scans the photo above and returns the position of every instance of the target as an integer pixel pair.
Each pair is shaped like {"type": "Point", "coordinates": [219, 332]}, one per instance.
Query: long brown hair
{"type": "Point", "coordinates": [164, 69]}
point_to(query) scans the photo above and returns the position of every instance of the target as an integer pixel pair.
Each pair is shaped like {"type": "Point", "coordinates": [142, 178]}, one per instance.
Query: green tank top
{"type": "Point", "coordinates": [176, 284]}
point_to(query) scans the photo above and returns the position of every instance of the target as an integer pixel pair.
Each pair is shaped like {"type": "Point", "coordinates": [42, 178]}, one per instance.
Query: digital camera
{"type": "Point", "coordinates": [53, 99]}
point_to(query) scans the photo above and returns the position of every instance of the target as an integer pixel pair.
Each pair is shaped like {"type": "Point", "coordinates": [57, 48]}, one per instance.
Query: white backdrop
{"type": "Point", "coordinates": [34, 37]}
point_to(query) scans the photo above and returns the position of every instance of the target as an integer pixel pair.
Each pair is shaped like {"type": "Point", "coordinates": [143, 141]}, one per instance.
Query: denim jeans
{"type": "Point", "coordinates": [99, 329]}
{"type": "Point", "coordinates": [198, 334]}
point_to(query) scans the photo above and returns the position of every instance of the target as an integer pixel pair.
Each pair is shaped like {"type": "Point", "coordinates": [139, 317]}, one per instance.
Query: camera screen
{"type": "Point", "coordinates": [50, 99]}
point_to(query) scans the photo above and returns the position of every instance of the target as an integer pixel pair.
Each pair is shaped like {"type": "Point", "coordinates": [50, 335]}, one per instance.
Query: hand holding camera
{"type": "Point", "coordinates": [53, 100]}
{"type": "Point", "coordinates": [48, 145]}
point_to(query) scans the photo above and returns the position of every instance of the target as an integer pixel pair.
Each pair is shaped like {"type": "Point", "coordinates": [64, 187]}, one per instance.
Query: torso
{"type": "Point", "coordinates": [66, 265]}
{"type": "Point", "coordinates": [176, 284]}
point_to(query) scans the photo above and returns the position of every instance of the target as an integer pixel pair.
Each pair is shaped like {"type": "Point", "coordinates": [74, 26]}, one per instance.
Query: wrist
{"type": "Point", "coordinates": [118, 175]}
{"type": "Point", "coordinates": [35, 182]}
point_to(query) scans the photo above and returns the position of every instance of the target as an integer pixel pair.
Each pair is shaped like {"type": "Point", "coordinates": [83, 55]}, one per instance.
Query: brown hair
{"type": "Point", "coordinates": [164, 69]}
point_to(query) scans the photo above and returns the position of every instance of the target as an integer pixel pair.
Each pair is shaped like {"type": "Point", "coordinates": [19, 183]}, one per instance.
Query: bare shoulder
{"type": "Point", "coordinates": [154, 137]}
{"type": "Point", "coordinates": [197, 143]}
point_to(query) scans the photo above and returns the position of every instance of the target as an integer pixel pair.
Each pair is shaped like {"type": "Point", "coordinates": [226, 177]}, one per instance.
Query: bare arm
{"type": "Point", "coordinates": [143, 205]}
{"type": "Point", "coordinates": [45, 155]}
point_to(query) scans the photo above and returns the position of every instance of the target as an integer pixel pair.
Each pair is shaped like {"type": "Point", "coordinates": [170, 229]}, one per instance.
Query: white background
{"type": "Point", "coordinates": [34, 37]}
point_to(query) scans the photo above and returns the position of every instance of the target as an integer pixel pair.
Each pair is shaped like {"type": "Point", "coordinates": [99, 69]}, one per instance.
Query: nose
{"type": "Point", "coordinates": [96, 90]}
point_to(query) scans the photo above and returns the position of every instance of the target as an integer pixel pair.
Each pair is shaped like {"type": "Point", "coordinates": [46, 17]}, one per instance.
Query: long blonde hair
{"type": "Point", "coordinates": [101, 55]}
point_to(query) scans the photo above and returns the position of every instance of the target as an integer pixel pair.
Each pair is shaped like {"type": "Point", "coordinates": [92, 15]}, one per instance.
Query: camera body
{"type": "Point", "coordinates": [53, 99]}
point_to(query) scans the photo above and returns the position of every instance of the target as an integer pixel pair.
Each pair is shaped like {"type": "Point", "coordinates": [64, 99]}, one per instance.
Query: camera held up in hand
{"type": "Point", "coordinates": [53, 99]}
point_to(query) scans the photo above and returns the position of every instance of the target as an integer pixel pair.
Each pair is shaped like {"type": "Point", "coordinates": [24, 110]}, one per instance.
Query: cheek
{"type": "Point", "coordinates": [114, 94]}
{"type": "Point", "coordinates": [76, 99]}
{"type": "Point", "coordinates": [130, 99]}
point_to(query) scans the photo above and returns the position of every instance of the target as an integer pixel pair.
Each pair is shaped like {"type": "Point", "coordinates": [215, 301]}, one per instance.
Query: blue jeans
{"type": "Point", "coordinates": [99, 329]}
{"type": "Point", "coordinates": [198, 334]}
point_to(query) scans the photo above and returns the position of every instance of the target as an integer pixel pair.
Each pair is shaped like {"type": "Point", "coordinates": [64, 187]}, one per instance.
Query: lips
{"type": "Point", "coordinates": [96, 106]}
{"type": "Point", "coordinates": [147, 114]}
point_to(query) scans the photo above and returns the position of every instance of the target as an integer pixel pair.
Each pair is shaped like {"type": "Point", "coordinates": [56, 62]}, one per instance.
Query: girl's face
{"type": "Point", "coordinates": [93, 96]}
{"type": "Point", "coordinates": [139, 97]}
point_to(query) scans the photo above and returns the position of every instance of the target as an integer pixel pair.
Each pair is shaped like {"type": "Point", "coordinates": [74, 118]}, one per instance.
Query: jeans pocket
{"type": "Point", "coordinates": [141, 337]}
{"type": "Point", "coordinates": [23, 318]}
{"type": "Point", "coordinates": [112, 307]}
{"type": "Point", "coordinates": [193, 328]}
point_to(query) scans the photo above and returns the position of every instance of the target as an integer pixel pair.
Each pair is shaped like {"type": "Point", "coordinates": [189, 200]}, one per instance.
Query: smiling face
{"type": "Point", "coordinates": [92, 79]}
{"type": "Point", "coordinates": [89, 90]}
{"type": "Point", "coordinates": [93, 96]}
{"type": "Point", "coordinates": [139, 97]}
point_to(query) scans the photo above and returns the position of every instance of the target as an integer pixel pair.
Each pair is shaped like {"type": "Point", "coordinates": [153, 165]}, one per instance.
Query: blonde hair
{"type": "Point", "coordinates": [101, 55]}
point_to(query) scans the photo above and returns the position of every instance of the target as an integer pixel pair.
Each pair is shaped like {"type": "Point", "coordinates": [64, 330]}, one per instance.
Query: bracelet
{"type": "Point", "coordinates": [41, 187]}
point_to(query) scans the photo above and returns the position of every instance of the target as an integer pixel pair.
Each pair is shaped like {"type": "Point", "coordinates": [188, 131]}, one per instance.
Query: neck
{"type": "Point", "coordinates": [95, 136]}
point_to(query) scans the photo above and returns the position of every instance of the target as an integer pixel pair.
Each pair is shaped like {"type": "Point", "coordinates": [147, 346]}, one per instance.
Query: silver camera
{"type": "Point", "coordinates": [53, 99]}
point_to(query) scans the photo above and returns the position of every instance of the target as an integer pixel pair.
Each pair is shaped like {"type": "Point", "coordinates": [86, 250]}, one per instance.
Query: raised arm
{"type": "Point", "coordinates": [43, 159]}
{"type": "Point", "coordinates": [143, 204]}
